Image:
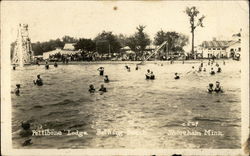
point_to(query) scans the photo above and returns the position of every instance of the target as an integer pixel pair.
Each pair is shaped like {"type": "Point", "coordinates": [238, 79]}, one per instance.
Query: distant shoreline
{"type": "Point", "coordinates": [134, 62]}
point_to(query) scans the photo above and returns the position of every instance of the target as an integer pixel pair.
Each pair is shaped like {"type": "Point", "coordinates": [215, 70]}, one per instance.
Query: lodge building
{"type": "Point", "coordinates": [220, 49]}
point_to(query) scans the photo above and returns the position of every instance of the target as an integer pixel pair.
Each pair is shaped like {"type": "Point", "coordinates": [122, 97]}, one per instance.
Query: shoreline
{"type": "Point", "coordinates": [133, 62]}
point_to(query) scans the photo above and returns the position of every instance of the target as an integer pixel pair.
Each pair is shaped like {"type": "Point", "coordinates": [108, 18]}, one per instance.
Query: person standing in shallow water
{"type": "Point", "coordinates": [106, 79]}
{"type": "Point", "coordinates": [152, 76]}
{"type": "Point", "coordinates": [55, 64]}
{"type": "Point", "coordinates": [17, 91]}
{"type": "Point", "coordinates": [101, 71]}
{"type": "Point", "coordinates": [103, 89]}
{"type": "Point", "coordinates": [176, 76]}
{"type": "Point", "coordinates": [212, 71]}
{"type": "Point", "coordinates": [148, 75]}
{"type": "Point", "coordinates": [26, 133]}
{"type": "Point", "coordinates": [218, 88]}
{"type": "Point", "coordinates": [219, 70]}
{"type": "Point", "coordinates": [128, 69]}
{"type": "Point", "coordinates": [39, 81]}
{"type": "Point", "coordinates": [91, 88]}
{"type": "Point", "coordinates": [136, 68]}
{"type": "Point", "coordinates": [14, 67]}
{"type": "Point", "coordinates": [210, 88]}
{"type": "Point", "coordinates": [46, 65]}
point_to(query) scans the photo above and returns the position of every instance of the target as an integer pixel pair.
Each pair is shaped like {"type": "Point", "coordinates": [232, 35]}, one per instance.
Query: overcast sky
{"type": "Point", "coordinates": [51, 20]}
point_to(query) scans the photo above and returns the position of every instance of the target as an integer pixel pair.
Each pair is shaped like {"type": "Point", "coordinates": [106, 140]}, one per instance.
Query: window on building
{"type": "Point", "coordinates": [214, 48]}
{"type": "Point", "coordinates": [218, 48]}
{"type": "Point", "coordinates": [239, 49]}
{"type": "Point", "coordinates": [223, 48]}
{"type": "Point", "coordinates": [209, 48]}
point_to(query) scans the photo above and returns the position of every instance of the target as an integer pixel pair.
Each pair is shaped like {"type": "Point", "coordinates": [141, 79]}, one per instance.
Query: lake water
{"type": "Point", "coordinates": [134, 113]}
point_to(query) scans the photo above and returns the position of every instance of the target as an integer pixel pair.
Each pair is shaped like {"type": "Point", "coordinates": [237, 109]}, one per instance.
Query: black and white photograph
{"type": "Point", "coordinates": [125, 78]}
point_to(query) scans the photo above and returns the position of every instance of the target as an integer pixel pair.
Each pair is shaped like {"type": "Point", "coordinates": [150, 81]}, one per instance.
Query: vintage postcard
{"type": "Point", "coordinates": [124, 78]}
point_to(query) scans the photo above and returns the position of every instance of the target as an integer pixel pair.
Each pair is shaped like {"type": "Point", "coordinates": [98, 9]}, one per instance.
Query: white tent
{"type": "Point", "coordinates": [125, 48]}
{"type": "Point", "coordinates": [130, 52]}
{"type": "Point", "coordinates": [53, 52]}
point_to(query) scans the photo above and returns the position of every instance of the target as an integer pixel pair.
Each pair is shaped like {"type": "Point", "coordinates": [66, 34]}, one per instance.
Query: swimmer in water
{"type": "Point", "coordinates": [210, 88]}
{"type": "Point", "coordinates": [37, 62]}
{"type": "Point", "coordinates": [55, 64]}
{"type": "Point", "coordinates": [27, 142]}
{"type": "Point", "coordinates": [101, 71]}
{"type": "Point", "coordinates": [200, 69]}
{"type": "Point", "coordinates": [136, 68]}
{"type": "Point", "coordinates": [176, 76]}
{"type": "Point", "coordinates": [152, 76]}
{"type": "Point", "coordinates": [106, 79]}
{"type": "Point", "coordinates": [128, 69]}
{"type": "Point", "coordinates": [17, 91]}
{"type": "Point", "coordinates": [212, 71]}
{"type": "Point", "coordinates": [46, 65]}
{"type": "Point", "coordinates": [39, 81]}
{"type": "Point", "coordinates": [218, 88]}
{"type": "Point", "coordinates": [25, 131]}
{"type": "Point", "coordinates": [103, 89]}
{"type": "Point", "coordinates": [148, 75]}
{"type": "Point", "coordinates": [219, 70]}
{"type": "Point", "coordinates": [91, 88]}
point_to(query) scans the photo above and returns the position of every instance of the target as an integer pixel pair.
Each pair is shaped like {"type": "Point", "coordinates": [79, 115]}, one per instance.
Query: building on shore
{"type": "Point", "coordinates": [219, 48]}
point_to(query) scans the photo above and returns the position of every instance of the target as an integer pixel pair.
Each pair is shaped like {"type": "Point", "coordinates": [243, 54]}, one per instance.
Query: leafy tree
{"type": "Point", "coordinates": [85, 44]}
{"type": "Point", "coordinates": [68, 39]}
{"type": "Point", "coordinates": [175, 41]}
{"type": "Point", "coordinates": [192, 13]}
{"type": "Point", "coordinates": [40, 47]}
{"type": "Point", "coordinates": [122, 39]}
{"type": "Point", "coordinates": [160, 37]}
{"type": "Point", "coordinates": [107, 42]}
{"type": "Point", "coordinates": [138, 41]}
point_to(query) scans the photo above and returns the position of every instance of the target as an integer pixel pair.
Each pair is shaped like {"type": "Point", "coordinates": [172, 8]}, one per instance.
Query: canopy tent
{"type": "Point", "coordinates": [125, 48]}
{"type": "Point", "coordinates": [47, 54]}
{"type": "Point", "coordinates": [62, 52]}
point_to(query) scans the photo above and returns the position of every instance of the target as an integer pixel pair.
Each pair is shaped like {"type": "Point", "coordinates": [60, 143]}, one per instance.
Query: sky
{"type": "Point", "coordinates": [54, 19]}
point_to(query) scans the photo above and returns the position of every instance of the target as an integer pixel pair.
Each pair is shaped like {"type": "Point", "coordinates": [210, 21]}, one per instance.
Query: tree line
{"type": "Point", "coordinates": [107, 42]}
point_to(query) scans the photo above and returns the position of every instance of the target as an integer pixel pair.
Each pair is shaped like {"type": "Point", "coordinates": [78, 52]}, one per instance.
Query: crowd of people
{"type": "Point", "coordinates": [149, 76]}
